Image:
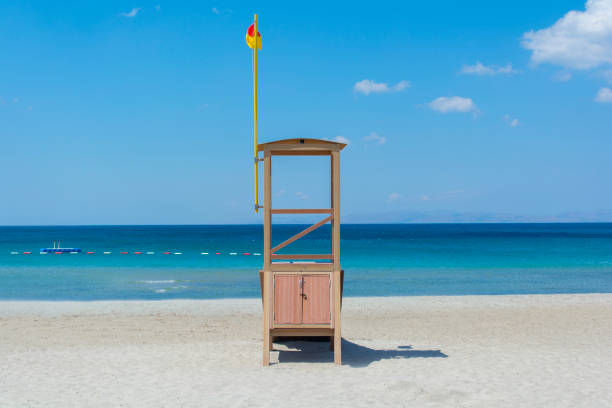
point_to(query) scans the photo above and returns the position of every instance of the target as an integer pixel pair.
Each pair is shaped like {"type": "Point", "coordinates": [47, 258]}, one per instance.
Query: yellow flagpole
{"type": "Point", "coordinates": [255, 114]}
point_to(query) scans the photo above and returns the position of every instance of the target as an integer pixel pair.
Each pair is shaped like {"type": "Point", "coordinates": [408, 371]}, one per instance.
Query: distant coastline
{"type": "Point", "coordinates": [391, 217]}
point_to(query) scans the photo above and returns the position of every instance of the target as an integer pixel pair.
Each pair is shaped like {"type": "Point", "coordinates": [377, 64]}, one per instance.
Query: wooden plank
{"type": "Point", "coordinates": [300, 272]}
{"type": "Point", "coordinates": [301, 142]}
{"type": "Point", "coordinates": [267, 295]}
{"type": "Point", "coordinates": [303, 256]}
{"type": "Point", "coordinates": [331, 196]}
{"type": "Point", "coordinates": [266, 319]}
{"type": "Point", "coordinates": [302, 267]}
{"type": "Point", "coordinates": [301, 234]}
{"type": "Point", "coordinates": [336, 208]}
{"type": "Point", "coordinates": [302, 211]}
{"type": "Point", "coordinates": [337, 275]}
{"type": "Point", "coordinates": [267, 209]}
{"type": "Point", "coordinates": [301, 152]}
{"type": "Point", "coordinates": [303, 147]}
{"type": "Point", "coordinates": [303, 326]}
{"type": "Point", "coordinates": [261, 285]}
{"type": "Point", "coordinates": [293, 332]}
{"type": "Point", "coordinates": [337, 323]}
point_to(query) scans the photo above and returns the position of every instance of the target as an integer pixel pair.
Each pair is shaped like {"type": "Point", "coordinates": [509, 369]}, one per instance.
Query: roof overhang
{"type": "Point", "coordinates": [301, 147]}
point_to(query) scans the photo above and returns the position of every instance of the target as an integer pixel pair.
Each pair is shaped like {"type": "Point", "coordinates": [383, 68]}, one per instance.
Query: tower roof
{"type": "Point", "coordinates": [306, 147]}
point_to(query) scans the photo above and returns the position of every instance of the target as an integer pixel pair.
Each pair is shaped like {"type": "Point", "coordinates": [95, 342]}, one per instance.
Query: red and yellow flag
{"type": "Point", "coordinates": [250, 37]}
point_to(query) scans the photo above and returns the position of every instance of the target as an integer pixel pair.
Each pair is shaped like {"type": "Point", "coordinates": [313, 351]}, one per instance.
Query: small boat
{"type": "Point", "coordinates": [57, 249]}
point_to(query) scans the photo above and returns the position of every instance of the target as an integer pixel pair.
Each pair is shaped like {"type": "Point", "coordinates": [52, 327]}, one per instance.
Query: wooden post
{"type": "Point", "coordinates": [336, 256]}
{"type": "Point", "coordinates": [267, 259]}
{"type": "Point", "coordinates": [267, 208]}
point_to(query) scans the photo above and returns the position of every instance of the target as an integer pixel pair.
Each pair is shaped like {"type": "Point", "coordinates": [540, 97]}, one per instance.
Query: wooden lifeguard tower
{"type": "Point", "coordinates": [301, 297]}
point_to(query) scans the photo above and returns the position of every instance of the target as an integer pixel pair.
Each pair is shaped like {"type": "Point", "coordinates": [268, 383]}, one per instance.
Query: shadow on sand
{"type": "Point", "coordinates": [316, 350]}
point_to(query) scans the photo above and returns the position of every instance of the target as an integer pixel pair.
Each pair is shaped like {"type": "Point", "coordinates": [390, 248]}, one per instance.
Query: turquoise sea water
{"type": "Point", "coordinates": [379, 260]}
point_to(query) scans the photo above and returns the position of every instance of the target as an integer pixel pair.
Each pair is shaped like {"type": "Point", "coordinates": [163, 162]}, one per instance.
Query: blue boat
{"type": "Point", "coordinates": [58, 248]}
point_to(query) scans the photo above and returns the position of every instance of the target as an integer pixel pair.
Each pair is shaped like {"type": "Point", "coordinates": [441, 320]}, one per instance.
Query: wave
{"type": "Point", "coordinates": [157, 281]}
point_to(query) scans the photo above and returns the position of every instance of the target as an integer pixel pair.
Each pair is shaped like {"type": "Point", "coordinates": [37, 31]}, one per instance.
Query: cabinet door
{"type": "Point", "coordinates": [316, 299]}
{"type": "Point", "coordinates": [287, 299]}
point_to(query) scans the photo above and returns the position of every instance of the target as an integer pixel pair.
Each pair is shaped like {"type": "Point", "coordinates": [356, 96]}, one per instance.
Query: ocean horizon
{"type": "Point", "coordinates": [222, 261]}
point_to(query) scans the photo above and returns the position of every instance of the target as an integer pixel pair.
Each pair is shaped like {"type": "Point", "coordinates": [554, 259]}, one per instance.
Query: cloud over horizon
{"type": "Point", "coordinates": [481, 69]}
{"type": "Point", "coordinates": [375, 138]}
{"type": "Point", "coordinates": [446, 104]}
{"type": "Point", "coordinates": [604, 95]}
{"type": "Point", "coordinates": [131, 13]}
{"type": "Point", "coordinates": [512, 122]}
{"type": "Point", "coordinates": [368, 86]}
{"type": "Point", "coordinates": [579, 40]}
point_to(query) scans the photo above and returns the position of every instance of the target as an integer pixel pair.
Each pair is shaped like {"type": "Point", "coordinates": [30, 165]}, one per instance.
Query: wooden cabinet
{"type": "Point", "coordinates": [302, 299]}
{"type": "Point", "coordinates": [287, 299]}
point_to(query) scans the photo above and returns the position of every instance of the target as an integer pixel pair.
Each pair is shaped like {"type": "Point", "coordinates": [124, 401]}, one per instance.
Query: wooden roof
{"type": "Point", "coordinates": [300, 147]}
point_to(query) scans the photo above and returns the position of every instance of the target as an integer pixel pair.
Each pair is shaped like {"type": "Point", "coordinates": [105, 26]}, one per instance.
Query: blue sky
{"type": "Point", "coordinates": [140, 112]}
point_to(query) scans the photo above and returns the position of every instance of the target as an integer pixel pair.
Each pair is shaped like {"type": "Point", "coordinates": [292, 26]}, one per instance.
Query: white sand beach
{"type": "Point", "coordinates": [465, 351]}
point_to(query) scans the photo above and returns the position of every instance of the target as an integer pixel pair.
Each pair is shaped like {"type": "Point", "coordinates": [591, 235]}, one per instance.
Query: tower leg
{"type": "Point", "coordinates": [271, 342]}
{"type": "Point", "coordinates": [337, 347]}
{"type": "Point", "coordinates": [266, 318]}
{"type": "Point", "coordinates": [337, 321]}
{"type": "Point", "coordinates": [266, 347]}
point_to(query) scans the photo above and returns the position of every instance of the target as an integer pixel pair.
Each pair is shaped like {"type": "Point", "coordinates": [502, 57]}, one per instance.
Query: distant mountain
{"type": "Point", "coordinates": [473, 217]}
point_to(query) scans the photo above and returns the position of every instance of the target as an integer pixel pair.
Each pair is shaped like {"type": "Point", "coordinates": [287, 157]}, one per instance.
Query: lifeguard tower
{"type": "Point", "coordinates": [302, 293]}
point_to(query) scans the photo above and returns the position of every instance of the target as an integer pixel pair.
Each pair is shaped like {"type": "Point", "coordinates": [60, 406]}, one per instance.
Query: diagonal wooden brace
{"type": "Point", "coordinates": [301, 234]}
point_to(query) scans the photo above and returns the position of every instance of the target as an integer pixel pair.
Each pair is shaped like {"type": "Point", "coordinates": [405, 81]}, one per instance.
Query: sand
{"type": "Point", "coordinates": [465, 351]}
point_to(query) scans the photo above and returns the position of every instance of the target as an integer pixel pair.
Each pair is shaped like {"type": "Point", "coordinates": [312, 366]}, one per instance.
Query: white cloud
{"type": "Point", "coordinates": [512, 122]}
{"type": "Point", "coordinates": [368, 86]}
{"type": "Point", "coordinates": [447, 104]}
{"type": "Point", "coordinates": [131, 13]}
{"type": "Point", "coordinates": [425, 197]}
{"type": "Point", "coordinates": [607, 75]}
{"type": "Point", "coordinates": [375, 138]}
{"type": "Point", "coordinates": [302, 196]}
{"type": "Point", "coordinates": [15, 100]}
{"type": "Point", "coordinates": [562, 76]}
{"type": "Point", "coordinates": [393, 197]}
{"type": "Point", "coordinates": [216, 11]}
{"type": "Point", "coordinates": [280, 193]}
{"type": "Point", "coordinates": [604, 95]}
{"type": "Point", "coordinates": [580, 39]}
{"type": "Point", "coordinates": [480, 69]}
{"type": "Point", "coordinates": [341, 139]}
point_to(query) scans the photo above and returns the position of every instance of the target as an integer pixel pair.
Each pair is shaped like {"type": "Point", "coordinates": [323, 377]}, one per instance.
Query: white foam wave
{"type": "Point", "coordinates": [157, 281]}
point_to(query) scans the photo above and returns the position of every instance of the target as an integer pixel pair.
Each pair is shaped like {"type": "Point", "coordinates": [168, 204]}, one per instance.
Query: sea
{"type": "Point", "coordinates": [221, 261]}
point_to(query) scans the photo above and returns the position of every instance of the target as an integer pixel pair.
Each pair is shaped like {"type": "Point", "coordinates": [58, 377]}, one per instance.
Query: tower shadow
{"type": "Point", "coordinates": [316, 350]}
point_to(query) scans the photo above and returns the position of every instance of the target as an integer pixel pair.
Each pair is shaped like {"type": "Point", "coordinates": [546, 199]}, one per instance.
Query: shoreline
{"type": "Point", "coordinates": [11, 308]}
